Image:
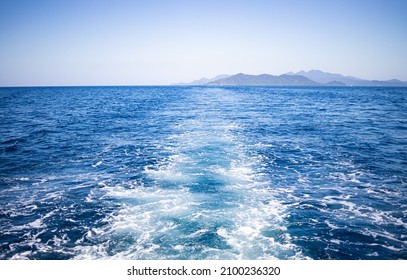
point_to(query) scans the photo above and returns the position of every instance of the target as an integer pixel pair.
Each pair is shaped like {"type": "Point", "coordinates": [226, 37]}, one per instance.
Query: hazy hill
{"type": "Point", "coordinates": [202, 81]}
{"type": "Point", "coordinates": [336, 79]}
{"type": "Point", "coordinates": [302, 78]}
{"type": "Point", "coordinates": [263, 80]}
{"type": "Point", "coordinates": [324, 77]}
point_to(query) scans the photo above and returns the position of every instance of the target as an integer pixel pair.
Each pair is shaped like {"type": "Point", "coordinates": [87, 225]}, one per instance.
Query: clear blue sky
{"type": "Point", "coordinates": [161, 42]}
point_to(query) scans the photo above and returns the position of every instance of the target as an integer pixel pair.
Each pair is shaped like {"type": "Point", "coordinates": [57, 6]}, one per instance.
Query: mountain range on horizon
{"type": "Point", "coordinates": [204, 81]}
{"type": "Point", "coordinates": [301, 78]}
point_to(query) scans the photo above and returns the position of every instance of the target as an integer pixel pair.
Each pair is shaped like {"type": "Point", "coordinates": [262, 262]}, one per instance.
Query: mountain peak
{"type": "Point", "coordinates": [325, 77]}
{"type": "Point", "coordinates": [203, 81]}
{"type": "Point", "coordinates": [263, 80]}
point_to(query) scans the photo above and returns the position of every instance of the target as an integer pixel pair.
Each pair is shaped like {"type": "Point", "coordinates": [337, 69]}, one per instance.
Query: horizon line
{"type": "Point", "coordinates": [204, 85]}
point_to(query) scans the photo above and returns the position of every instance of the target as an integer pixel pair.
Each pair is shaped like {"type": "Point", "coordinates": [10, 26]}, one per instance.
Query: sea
{"type": "Point", "coordinates": [198, 173]}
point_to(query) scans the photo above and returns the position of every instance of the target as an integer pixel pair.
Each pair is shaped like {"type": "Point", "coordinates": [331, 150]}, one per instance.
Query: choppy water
{"type": "Point", "coordinates": [203, 173]}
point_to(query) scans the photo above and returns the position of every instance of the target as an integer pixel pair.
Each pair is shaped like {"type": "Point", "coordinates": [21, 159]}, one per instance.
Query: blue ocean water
{"type": "Point", "coordinates": [203, 173]}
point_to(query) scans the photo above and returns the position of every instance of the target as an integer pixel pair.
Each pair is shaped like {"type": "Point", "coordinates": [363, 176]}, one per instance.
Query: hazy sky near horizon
{"type": "Point", "coordinates": [81, 42]}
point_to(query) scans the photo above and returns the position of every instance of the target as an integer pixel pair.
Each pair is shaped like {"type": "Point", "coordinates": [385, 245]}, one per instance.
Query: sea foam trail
{"type": "Point", "coordinates": [205, 200]}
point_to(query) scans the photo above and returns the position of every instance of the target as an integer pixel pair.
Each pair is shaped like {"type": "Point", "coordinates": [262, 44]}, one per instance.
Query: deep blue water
{"type": "Point", "coordinates": [203, 173]}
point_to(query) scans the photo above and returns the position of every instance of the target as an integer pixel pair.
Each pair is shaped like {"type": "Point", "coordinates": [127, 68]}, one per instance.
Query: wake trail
{"type": "Point", "coordinates": [208, 199]}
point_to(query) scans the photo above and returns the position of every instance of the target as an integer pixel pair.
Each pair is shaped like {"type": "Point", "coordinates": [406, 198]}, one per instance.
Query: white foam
{"type": "Point", "coordinates": [21, 256]}
{"type": "Point", "coordinates": [336, 241]}
{"type": "Point", "coordinates": [97, 164]}
{"type": "Point", "coordinates": [197, 233]}
{"type": "Point", "coordinates": [179, 247]}
{"type": "Point", "coordinates": [331, 225]}
{"type": "Point", "coordinates": [24, 179]}
{"type": "Point", "coordinates": [36, 224]}
{"type": "Point", "coordinates": [251, 219]}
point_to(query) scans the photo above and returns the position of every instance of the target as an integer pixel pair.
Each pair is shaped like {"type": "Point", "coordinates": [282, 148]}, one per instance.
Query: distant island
{"type": "Point", "coordinates": [302, 78]}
